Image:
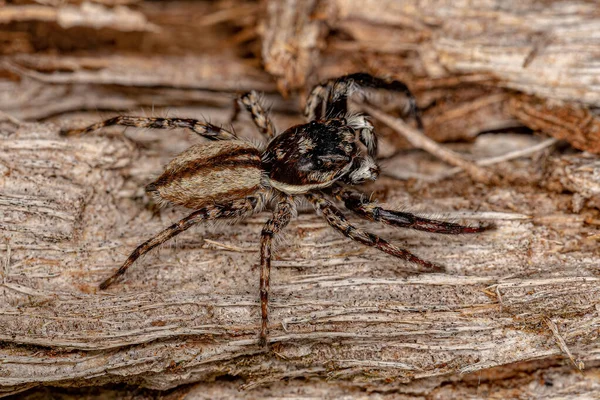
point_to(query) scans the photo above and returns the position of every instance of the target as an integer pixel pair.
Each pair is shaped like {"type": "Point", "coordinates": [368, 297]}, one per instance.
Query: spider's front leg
{"type": "Point", "coordinates": [358, 203]}
{"type": "Point", "coordinates": [252, 104]}
{"type": "Point", "coordinates": [338, 221]}
{"type": "Point", "coordinates": [281, 217]}
{"type": "Point", "coordinates": [204, 129]}
{"type": "Point", "coordinates": [233, 209]}
{"type": "Point", "coordinates": [330, 99]}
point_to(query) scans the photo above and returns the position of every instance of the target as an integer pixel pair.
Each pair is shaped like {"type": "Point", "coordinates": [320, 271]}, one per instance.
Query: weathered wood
{"type": "Point", "coordinates": [291, 41]}
{"type": "Point", "coordinates": [515, 314]}
{"type": "Point", "coordinates": [548, 48]}
{"type": "Point", "coordinates": [73, 209]}
{"type": "Point", "coordinates": [577, 125]}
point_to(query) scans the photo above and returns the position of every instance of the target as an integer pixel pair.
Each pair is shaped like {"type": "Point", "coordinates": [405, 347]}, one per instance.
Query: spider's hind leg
{"type": "Point", "coordinates": [281, 217]}
{"type": "Point", "coordinates": [252, 104]}
{"type": "Point", "coordinates": [233, 209]}
{"type": "Point", "coordinates": [338, 221]}
{"type": "Point", "coordinates": [204, 129]}
{"type": "Point", "coordinates": [358, 203]}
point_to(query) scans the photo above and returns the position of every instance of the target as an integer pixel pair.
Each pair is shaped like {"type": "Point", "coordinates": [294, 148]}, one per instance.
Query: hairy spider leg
{"type": "Point", "coordinates": [204, 129]}
{"type": "Point", "coordinates": [358, 203]}
{"type": "Point", "coordinates": [252, 104]}
{"type": "Point", "coordinates": [316, 102]}
{"type": "Point", "coordinates": [281, 217]}
{"type": "Point", "coordinates": [338, 221]}
{"type": "Point", "coordinates": [234, 209]}
{"type": "Point", "coordinates": [330, 99]}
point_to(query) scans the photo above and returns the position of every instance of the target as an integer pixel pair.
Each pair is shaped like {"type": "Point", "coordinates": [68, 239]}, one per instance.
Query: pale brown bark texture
{"type": "Point", "coordinates": [510, 87]}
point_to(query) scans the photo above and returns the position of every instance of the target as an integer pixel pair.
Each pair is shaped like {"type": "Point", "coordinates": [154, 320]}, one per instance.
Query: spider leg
{"type": "Point", "coordinates": [251, 103]}
{"type": "Point", "coordinates": [233, 209]}
{"type": "Point", "coordinates": [330, 99]}
{"type": "Point", "coordinates": [357, 202]}
{"type": "Point", "coordinates": [203, 129]}
{"type": "Point", "coordinates": [361, 124]}
{"type": "Point", "coordinates": [316, 102]}
{"type": "Point", "coordinates": [281, 217]}
{"type": "Point", "coordinates": [338, 221]}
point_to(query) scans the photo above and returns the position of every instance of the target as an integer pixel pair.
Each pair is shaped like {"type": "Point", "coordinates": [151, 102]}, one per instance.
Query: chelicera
{"type": "Point", "coordinates": [319, 160]}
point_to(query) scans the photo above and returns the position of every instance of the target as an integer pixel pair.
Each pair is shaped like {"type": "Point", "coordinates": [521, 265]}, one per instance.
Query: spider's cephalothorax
{"type": "Point", "coordinates": [231, 178]}
{"type": "Point", "coordinates": [315, 155]}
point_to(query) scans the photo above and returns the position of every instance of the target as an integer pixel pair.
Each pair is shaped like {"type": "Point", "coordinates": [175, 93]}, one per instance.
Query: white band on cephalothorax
{"type": "Point", "coordinates": [297, 189]}
{"type": "Point", "coordinates": [300, 189]}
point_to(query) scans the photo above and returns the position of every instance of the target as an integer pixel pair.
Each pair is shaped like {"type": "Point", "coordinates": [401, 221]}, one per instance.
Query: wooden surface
{"type": "Point", "coordinates": [515, 315]}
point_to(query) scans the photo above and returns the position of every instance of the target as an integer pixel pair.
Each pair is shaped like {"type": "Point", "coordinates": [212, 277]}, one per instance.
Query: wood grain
{"type": "Point", "coordinates": [515, 315]}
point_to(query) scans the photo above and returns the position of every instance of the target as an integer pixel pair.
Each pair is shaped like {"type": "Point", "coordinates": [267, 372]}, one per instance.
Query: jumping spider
{"type": "Point", "coordinates": [232, 178]}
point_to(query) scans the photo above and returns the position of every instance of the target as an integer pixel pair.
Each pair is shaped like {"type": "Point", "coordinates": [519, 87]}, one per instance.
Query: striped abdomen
{"type": "Point", "coordinates": [210, 173]}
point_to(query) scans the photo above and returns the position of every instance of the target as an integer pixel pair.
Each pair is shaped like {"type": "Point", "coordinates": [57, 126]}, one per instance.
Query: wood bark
{"type": "Point", "coordinates": [516, 315]}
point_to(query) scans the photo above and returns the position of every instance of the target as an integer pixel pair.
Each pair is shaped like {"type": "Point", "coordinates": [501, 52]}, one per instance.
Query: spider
{"type": "Point", "coordinates": [321, 159]}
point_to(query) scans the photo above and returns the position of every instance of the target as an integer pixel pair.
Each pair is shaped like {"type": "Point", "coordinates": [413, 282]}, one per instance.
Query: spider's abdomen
{"type": "Point", "coordinates": [310, 156]}
{"type": "Point", "coordinates": [210, 173]}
